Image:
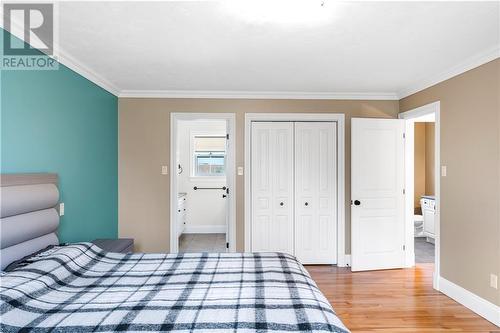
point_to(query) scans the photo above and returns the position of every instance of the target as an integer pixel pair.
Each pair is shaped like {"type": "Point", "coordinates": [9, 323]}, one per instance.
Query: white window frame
{"type": "Point", "coordinates": [192, 166]}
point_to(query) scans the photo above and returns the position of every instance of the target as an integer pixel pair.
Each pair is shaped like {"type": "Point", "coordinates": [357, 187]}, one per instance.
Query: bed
{"type": "Point", "coordinates": [81, 288]}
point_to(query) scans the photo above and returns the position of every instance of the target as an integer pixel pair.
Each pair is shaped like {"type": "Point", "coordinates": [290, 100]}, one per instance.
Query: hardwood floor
{"type": "Point", "coordinates": [394, 301]}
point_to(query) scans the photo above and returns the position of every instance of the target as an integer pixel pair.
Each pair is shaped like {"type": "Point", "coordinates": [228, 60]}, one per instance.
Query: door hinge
{"type": "Point", "coordinates": [227, 136]}
{"type": "Point", "coordinates": [404, 191]}
{"type": "Point", "coordinates": [404, 247]}
{"type": "Point", "coordinates": [404, 135]}
{"type": "Point", "coordinates": [227, 245]}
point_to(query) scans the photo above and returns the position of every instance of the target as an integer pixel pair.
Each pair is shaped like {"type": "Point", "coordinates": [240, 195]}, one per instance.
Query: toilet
{"type": "Point", "coordinates": [418, 223]}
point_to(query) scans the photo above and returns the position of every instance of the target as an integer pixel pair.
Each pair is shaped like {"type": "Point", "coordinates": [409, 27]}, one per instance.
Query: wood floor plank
{"type": "Point", "coordinates": [400, 300]}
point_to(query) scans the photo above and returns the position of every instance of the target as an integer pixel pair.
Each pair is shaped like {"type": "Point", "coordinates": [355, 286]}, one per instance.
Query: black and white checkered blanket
{"type": "Point", "coordinates": [81, 288]}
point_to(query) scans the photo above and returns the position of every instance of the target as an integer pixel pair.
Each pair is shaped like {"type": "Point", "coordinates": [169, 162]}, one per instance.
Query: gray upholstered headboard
{"type": "Point", "coordinates": [29, 217]}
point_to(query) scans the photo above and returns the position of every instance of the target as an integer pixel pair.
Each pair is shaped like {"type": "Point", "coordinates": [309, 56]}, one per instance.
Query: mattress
{"type": "Point", "coordinates": [81, 288]}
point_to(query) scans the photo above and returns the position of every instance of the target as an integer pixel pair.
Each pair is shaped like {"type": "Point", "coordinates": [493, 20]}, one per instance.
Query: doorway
{"type": "Point", "coordinates": [383, 217]}
{"type": "Point", "coordinates": [422, 184]}
{"type": "Point", "coordinates": [202, 200]}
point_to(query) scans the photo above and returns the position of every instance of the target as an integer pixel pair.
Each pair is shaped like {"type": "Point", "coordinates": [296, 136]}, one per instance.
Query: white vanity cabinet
{"type": "Point", "coordinates": [428, 205]}
{"type": "Point", "coordinates": [181, 213]}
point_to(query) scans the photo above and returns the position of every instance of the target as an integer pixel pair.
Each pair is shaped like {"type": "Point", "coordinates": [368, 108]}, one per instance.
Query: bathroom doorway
{"type": "Point", "coordinates": [422, 179]}
{"type": "Point", "coordinates": [202, 205]}
{"type": "Point", "coordinates": [424, 189]}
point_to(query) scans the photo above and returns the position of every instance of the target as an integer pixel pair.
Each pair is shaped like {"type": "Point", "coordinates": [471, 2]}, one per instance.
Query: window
{"type": "Point", "coordinates": [209, 156]}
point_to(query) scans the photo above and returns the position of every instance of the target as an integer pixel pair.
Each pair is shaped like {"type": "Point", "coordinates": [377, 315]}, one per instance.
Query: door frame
{"type": "Point", "coordinates": [230, 177]}
{"type": "Point", "coordinates": [339, 118]}
{"type": "Point", "coordinates": [410, 116]}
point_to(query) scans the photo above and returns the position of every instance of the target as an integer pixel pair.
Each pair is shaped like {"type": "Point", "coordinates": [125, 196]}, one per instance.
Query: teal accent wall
{"type": "Point", "coordinates": [58, 121]}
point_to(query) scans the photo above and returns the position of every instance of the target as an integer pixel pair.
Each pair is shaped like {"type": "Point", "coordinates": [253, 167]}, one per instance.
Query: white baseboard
{"type": "Point", "coordinates": [204, 229]}
{"type": "Point", "coordinates": [482, 307]}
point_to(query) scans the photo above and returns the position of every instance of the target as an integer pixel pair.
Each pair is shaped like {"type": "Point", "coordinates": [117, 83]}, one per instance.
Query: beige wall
{"type": "Point", "coordinates": [429, 159]}
{"type": "Point", "coordinates": [419, 163]}
{"type": "Point", "coordinates": [423, 166]}
{"type": "Point", "coordinates": [144, 145]}
{"type": "Point", "coordinates": [470, 193]}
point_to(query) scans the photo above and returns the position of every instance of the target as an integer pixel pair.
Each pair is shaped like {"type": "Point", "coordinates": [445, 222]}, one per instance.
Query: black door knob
{"type": "Point", "coordinates": [281, 203]}
{"type": "Point", "coordinates": [307, 204]}
{"type": "Point", "coordinates": [224, 196]}
{"type": "Point", "coordinates": [357, 202]}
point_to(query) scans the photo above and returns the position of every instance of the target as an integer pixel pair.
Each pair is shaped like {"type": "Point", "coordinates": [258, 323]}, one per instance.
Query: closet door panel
{"type": "Point", "coordinates": [261, 188]}
{"type": "Point", "coordinates": [305, 157]}
{"type": "Point", "coordinates": [315, 192]}
{"type": "Point", "coordinates": [272, 187]}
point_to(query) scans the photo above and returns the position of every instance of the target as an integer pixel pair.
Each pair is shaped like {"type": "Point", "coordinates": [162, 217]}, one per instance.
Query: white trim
{"type": "Point", "coordinates": [230, 172]}
{"type": "Point", "coordinates": [409, 199]}
{"type": "Point", "coordinates": [69, 61]}
{"type": "Point", "coordinates": [337, 117]}
{"type": "Point", "coordinates": [204, 229]}
{"type": "Point", "coordinates": [482, 307]}
{"type": "Point", "coordinates": [471, 63]}
{"type": "Point", "coordinates": [66, 59]}
{"type": "Point", "coordinates": [234, 94]}
{"type": "Point", "coordinates": [409, 115]}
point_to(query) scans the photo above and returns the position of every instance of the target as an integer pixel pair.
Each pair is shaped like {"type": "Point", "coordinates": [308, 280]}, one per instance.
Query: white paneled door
{"type": "Point", "coordinates": [315, 192]}
{"type": "Point", "coordinates": [272, 187]}
{"type": "Point", "coordinates": [294, 188]}
{"type": "Point", "coordinates": [377, 184]}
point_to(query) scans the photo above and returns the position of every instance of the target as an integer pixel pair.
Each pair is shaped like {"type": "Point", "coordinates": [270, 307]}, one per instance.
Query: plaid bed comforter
{"type": "Point", "coordinates": [81, 288]}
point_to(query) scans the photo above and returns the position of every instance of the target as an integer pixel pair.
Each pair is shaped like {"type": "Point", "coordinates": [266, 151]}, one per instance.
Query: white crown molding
{"type": "Point", "coordinates": [66, 59]}
{"type": "Point", "coordinates": [479, 305]}
{"type": "Point", "coordinates": [69, 61]}
{"type": "Point", "coordinates": [471, 63]}
{"type": "Point", "coordinates": [255, 95]}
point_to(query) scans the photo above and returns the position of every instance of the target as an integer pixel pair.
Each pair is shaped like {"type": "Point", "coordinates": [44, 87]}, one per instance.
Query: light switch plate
{"type": "Point", "coordinates": [443, 171]}
{"type": "Point", "coordinates": [493, 281]}
{"type": "Point", "coordinates": [240, 171]}
{"type": "Point", "coordinates": [164, 170]}
{"type": "Point", "coordinates": [61, 209]}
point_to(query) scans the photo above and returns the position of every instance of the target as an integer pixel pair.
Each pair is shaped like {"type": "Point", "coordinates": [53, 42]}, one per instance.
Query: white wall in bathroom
{"type": "Point", "coordinates": [206, 209]}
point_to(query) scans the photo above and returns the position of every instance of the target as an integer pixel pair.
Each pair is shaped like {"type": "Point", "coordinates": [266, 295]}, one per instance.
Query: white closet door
{"type": "Point", "coordinates": [315, 192]}
{"type": "Point", "coordinates": [272, 186]}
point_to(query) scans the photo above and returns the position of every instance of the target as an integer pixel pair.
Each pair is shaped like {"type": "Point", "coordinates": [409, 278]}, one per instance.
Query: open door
{"type": "Point", "coordinates": [227, 191]}
{"type": "Point", "coordinates": [377, 194]}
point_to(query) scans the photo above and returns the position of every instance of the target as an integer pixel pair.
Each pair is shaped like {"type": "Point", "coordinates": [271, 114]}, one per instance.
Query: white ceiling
{"type": "Point", "coordinates": [383, 49]}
